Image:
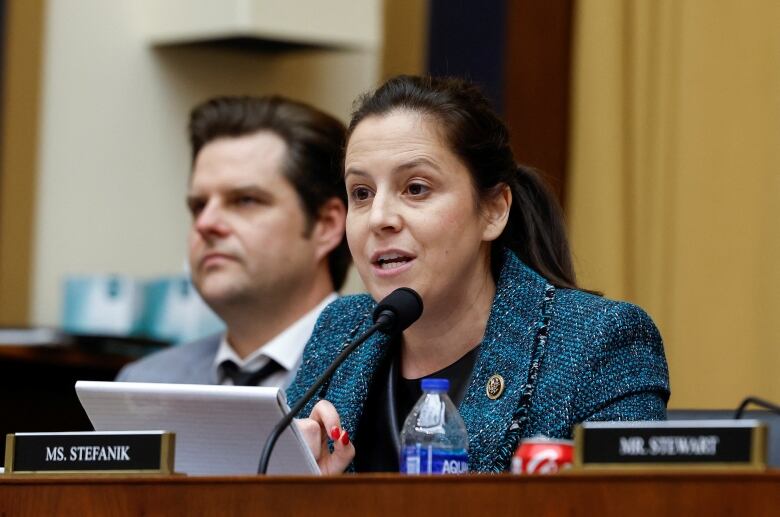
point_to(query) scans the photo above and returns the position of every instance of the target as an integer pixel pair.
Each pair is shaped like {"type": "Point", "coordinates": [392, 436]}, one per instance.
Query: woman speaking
{"type": "Point", "coordinates": [437, 203]}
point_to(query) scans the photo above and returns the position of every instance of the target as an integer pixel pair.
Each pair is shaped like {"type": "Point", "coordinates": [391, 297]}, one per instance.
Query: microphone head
{"type": "Point", "coordinates": [398, 310]}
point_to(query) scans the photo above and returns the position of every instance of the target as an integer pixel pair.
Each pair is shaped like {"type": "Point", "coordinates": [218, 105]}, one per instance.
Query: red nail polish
{"type": "Point", "coordinates": [334, 432]}
{"type": "Point", "coordinates": [345, 438]}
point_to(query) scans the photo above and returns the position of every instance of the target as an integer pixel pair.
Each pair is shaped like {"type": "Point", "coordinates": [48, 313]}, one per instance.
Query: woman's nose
{"type": "Point", "coordinates": [384, 215]}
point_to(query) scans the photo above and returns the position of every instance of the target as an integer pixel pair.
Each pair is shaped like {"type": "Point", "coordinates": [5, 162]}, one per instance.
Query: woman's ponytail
{"type": "Point", "coordinates": [536, 232]}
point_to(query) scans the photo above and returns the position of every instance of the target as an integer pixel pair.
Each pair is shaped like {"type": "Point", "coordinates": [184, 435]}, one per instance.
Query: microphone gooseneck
{"type": "Point", "coordinates": [758, 402]}
{"type": "Point", "coordinates": [394, 314]}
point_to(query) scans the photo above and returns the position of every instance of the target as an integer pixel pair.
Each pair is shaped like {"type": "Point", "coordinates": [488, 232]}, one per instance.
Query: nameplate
{"type": "Point", "coordinates": [677, 444]}
{"type": "Point", "coordinates": [133, 452]}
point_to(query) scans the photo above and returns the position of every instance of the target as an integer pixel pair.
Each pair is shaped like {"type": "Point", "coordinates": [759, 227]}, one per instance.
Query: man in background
{"type": "Point", "coordinates": [266, 249]}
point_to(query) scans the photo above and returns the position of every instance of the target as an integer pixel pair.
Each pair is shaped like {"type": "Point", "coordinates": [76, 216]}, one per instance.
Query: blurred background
{"type": "Point", "coordinates": [656, 122]}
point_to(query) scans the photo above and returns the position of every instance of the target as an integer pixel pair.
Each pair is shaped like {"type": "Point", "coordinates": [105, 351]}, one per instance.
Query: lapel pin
{"type": "Point", "coordinates": [495, 386]}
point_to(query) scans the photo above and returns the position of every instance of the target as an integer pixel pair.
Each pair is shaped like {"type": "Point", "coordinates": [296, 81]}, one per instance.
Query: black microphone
{"type": "Point", "coordinates": [398, 310]}
{"type": "Point", "coordinates": [394, 314]}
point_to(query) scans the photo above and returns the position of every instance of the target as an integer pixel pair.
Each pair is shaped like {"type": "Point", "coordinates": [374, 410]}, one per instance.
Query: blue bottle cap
{"type": "Point", "coordinates": [435, 384]}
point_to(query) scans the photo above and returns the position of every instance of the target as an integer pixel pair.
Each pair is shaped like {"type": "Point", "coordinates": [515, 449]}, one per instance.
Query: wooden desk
{"type": "Point", "coordinates": [572, 494]}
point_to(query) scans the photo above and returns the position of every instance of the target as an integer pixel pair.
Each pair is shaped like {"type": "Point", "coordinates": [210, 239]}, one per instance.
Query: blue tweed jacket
{"type": "Point", "coordinates": [566, 356]}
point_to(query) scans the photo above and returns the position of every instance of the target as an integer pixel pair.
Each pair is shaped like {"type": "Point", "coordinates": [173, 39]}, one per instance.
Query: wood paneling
{"type": "Point", "coordinates": [405, 38]}
{"type": "Point", "coordinates": [537, 72]}
{"type": "Point", "coordinates": [18, 154]}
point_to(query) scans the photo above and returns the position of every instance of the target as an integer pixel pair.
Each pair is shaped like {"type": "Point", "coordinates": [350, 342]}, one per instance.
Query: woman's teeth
{"type": "Point", "coordinates": [392, 262]}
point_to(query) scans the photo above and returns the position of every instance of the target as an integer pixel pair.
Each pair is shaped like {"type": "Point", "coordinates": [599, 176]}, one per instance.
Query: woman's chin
{"type": "Point", "coordinates": [380, 292]}
{"type": "Point", "coordinates": [379, 283]}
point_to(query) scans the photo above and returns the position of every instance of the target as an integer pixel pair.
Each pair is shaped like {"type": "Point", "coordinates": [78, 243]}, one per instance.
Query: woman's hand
{"type": "Point", "coordinates": [324, 422]}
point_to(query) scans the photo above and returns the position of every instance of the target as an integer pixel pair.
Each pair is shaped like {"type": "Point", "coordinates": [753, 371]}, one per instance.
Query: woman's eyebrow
{"type": "Point", "coordinates": [417, 162]}
{"type": "Point", "coordinates": [355, 172]}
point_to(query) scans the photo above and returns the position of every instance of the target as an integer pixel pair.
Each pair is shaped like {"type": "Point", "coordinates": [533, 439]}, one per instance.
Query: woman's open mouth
{"type": "Point", "coordinates": [391, 262]}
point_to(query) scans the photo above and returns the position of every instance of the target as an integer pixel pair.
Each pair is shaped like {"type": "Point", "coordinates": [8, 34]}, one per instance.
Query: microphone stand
{"type": "Point", "coordinates": [385, 319]}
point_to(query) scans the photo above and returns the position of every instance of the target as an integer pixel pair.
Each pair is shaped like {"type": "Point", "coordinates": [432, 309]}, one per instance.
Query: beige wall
{"type": "Point", "coordinates": [113, 156]}
{"type": "Point", "coordinates": [675, 182]}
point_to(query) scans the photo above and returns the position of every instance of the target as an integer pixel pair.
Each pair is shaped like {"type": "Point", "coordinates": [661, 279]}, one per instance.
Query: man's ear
{"type": "Point", "coordinates": [329, 227]}
{"type": "Point", "coordinates": [495, 210]}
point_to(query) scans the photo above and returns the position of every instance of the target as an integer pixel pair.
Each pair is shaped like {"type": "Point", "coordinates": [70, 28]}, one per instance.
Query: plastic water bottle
{"type": "Point", "coordinates": [434, 438]}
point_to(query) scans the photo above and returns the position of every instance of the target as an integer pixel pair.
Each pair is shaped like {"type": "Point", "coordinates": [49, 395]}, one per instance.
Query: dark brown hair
{"type": "Point", "coordinates": [535, 231]}
{"type": "Point", "coordinates": [315, 150]}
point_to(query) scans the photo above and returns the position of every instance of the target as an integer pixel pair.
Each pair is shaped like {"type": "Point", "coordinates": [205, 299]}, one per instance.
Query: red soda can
{"type": "Point", "coordinates": [542, 455]}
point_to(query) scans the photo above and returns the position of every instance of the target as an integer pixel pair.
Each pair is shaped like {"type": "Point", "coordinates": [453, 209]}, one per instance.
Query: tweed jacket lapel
{"type": "Point", "coordinates": [506, 350]}
{"type": "Point", "coordinates": [351, 381]}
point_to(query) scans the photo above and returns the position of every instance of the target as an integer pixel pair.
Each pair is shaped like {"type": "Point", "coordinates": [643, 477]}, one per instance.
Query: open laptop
{"type": "Point", "coordinates": [220, 430]}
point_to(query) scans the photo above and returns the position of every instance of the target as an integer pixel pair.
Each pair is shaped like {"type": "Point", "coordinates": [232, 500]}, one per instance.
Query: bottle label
{"type": "Point", "coordinates": [417, 459]}
{"type": "Point", "coordinates": [432, 415]}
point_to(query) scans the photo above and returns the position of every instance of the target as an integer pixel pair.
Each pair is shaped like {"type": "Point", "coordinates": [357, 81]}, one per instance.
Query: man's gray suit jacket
{"type": "Point", "coordinates": [191, 363]}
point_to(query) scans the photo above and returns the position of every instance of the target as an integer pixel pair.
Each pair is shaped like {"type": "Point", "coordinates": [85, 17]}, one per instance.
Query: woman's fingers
{"type": "Point", "coordinates": [310, 430]}
{"type": "Point", "coordinates": [343, 454]}
{"type": "Point", "coordinates": [326, 416]}
{"type": "Point", "coordinates": [325, 413]}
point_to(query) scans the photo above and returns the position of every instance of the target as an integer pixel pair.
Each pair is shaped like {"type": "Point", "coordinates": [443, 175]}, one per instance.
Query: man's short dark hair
{"type": "Point", "coordinates": [315, 150]}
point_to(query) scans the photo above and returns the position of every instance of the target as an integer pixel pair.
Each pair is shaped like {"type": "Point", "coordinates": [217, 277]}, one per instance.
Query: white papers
{"type": "Point", "coordinates": [220, 430]}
